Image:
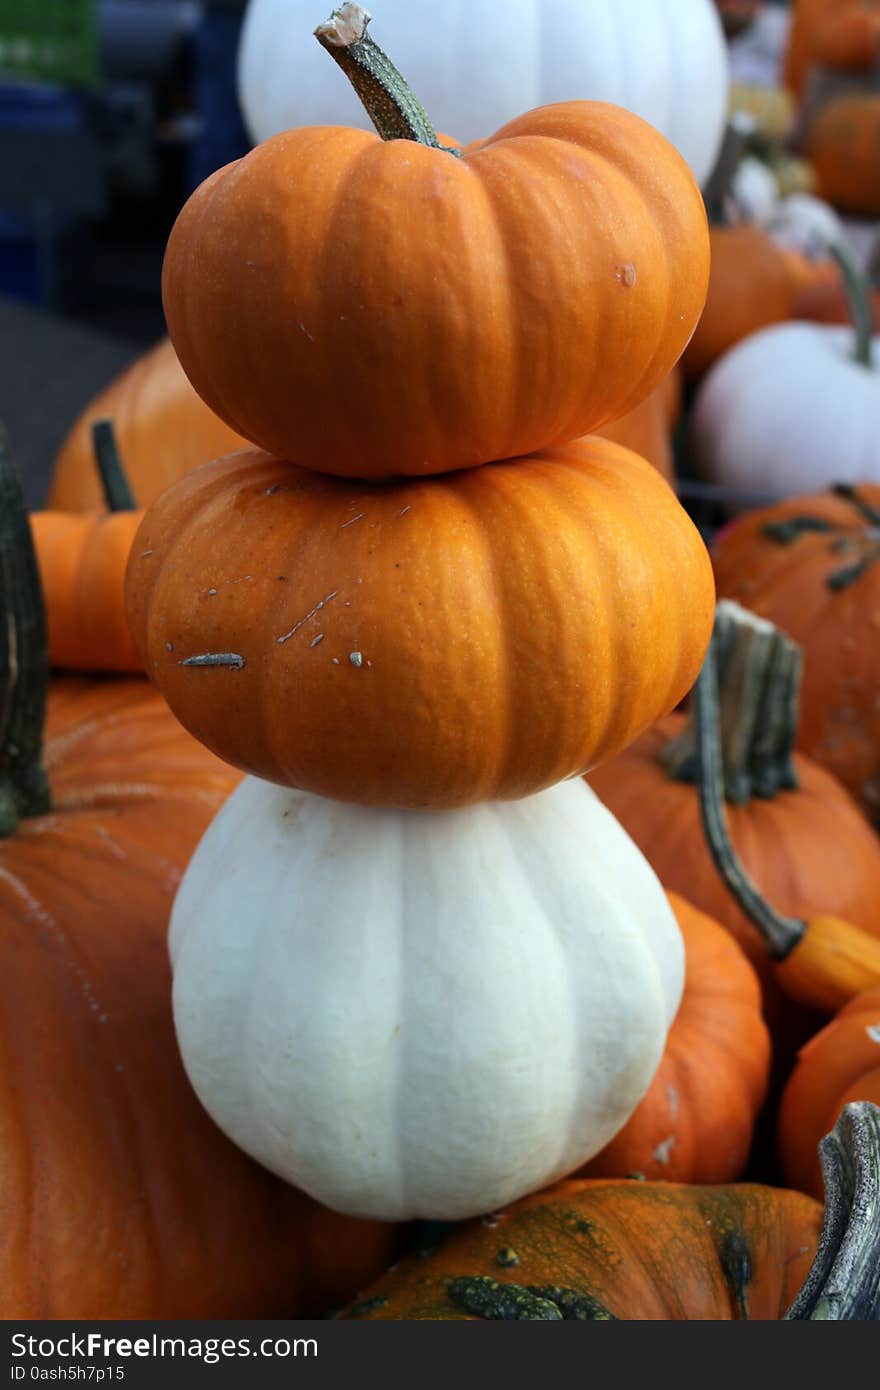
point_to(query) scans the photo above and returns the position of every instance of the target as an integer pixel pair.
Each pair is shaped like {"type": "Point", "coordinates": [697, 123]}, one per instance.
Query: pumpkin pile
{"type": "Point", "coordinates": [426, 604]}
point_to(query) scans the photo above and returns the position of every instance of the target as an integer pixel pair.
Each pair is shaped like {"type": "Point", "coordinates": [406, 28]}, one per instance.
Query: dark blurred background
{"type": "Point", "coordinates": [111, 112]}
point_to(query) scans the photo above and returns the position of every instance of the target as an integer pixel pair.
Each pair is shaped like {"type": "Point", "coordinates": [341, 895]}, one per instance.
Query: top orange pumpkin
{"type": "Point", "coordinates": [376, 307]}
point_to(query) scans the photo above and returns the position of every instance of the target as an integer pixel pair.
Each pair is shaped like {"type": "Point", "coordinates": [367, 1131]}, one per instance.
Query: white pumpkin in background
{"type": "Point", "coordinates": [789, 410]}
{"type": "Point", "coordinates": [475, 64]}
{"type": "Point", "coordinates": [414, 1014]}
{"type": "Point", "coordinates": [754, 190]}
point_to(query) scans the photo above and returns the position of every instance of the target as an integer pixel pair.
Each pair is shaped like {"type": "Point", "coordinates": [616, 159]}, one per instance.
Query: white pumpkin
{"type": "Point", "coordinates": [789, 410]}
{"type": "Point", "coordinates": [414, 1014]}
{"type": "Point", "coordinates": [754, 190]}
{"type": "Point", "coordinates": [475, 64]}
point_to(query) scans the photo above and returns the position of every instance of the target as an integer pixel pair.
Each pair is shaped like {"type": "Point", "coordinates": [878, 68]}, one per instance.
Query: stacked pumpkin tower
{"type": "Point", "coordinates": [419, 969]}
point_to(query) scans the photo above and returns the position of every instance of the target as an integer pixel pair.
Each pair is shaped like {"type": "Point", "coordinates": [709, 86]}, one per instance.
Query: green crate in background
{"type": "Point", "coordinates": [49, 40]}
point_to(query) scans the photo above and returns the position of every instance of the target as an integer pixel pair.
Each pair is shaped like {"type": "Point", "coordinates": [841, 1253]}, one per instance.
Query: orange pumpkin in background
{"type": "Point", "coordinates": [373, 307]}
{"type": "Point", "coordinates": [801, 837]}
{"type": "Point", "coordinates": [838, 1065]}
{"type": "Point", "coordinates": [163, 429]}
{"type": "Point", "coordinates": [841, 34]}
{"type": "Point", "coordinates": [696, 1122]}
{"type": "Point", "coordinates": [752, 284]}
{"type": "Point", "coordinates": [430, 643]}
{"type": "Point", "coordinates": [810, 565]}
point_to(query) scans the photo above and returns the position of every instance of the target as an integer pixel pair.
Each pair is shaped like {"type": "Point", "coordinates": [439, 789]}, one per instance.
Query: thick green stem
{"type": "Point", "coordinates": [24, 660]}
{"type": "Point", "coordinates": [844, 1282]}
{"type": "Point", "coordinates": [858, 295]}
{"type": "Point", "coordinates": [390, 103]}
{"type": "Point", "coordinates": [117, 489]}
{"type": "Point", "coordinates": [781, 934]}
{"type": "Point", "coordinates": [759, 683]}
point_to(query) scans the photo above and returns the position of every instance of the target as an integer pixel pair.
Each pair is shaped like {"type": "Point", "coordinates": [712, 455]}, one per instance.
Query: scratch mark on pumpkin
{"type": "Point", "coordinates": [662, 1151]}
{"type": "Point", "coordinates": [672, 1098]}
{"type": "Point", "coordinates": [360, 516]}
{"type": "Point", "coordinates": [296, 627]}
{"type": "Point", "coordinates": [231, 659]}
{"type": "Point", "coordinates": [302, 328]}
{"type": "Point", "coordinates": [315, 640]}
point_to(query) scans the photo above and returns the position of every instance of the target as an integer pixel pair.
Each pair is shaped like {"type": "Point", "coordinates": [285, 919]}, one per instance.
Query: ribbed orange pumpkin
{"type": "Point", "coordinates": [751, 285]}
{"type": "Point", "coordinates": [843, 145]}
{"type": "Point", "coordinates": [839, 1065]}
{"type": "Point", "coordinates": [695, 1124]}
{"type": "Point", "coordinates": [810, 565]}
{"type": "Point", "coordinates": [376, 307]}
{"type": "Point", "coordinates": [120, 1198]}
{"type": "Point", "coordinates": [430, 643]}
{"type": "Point", "coordinates": [164, 429]}
{"type": "Point", "coordinates": [801, 837]}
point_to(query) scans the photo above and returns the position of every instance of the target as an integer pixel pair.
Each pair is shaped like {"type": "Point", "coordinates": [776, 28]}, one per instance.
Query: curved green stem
{"type": "Point", "coordinates": [24, 659]}
{"type": "Point", "coordinates": [117, 489]}
{"type": "Point", "coordinates": [844, 1282]}
{"type": "Point", "coordinates": [740, 129]}
{"type": "Point", "coordinates": [390, 103]}
{"type": "Point", "coordinates": [781, 934]}
{"type": "Point", "coordinates": [859, 298]}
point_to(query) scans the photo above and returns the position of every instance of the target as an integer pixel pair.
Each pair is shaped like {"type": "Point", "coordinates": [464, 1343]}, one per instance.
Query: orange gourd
{"type": "Point", "coordinates": [751, 285]}
{"type": "Point", "coordinates": [375, 306]}
{"type": "Point", "coordinates": [430, 643]}
{"type": "Point", "coordinates": [839, 1065]}
{"type": "Point", "coordinates": [843, 145]}
{"type": "Point", "coordinates": [695, 1124]}
{"type": "Point", "coordinates": [164, 429]}
{"type": "Point", "coordinates": [120, 1198]}
{"type": "Point", "coordinates": [809, 564]}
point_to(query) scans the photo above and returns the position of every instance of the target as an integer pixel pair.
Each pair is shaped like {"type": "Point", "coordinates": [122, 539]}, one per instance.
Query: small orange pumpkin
{"type": "Point", "coordinates": [842, 34]}
{"type": "Point", "coordinates": [801, 837]}
{"type": "Point", "coordinates": [374, 306]}
{"type": "Point", "coordinates": [429, 643]}
{"type": "Point", "coordinates": [839, 1065]}
{"type": "Point", "coordinates": [695, 1124]}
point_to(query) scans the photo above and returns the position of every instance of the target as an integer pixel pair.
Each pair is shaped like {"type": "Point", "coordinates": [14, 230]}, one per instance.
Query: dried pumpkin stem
{"type": "Point", "coordinates": [118, 495]}
{"type": "Point", "coordinates": [781, 934]}
{"type": "Point", "coordinates": [759, 688]}
{"type": "Point", "coordinates": [844, 1282]}
{"type": "Point", "coordinates": [390, 103]}
{"type": "Point", "coordinates": [858, 296]}
{"type": "Point", "coordinates": [24, 660]}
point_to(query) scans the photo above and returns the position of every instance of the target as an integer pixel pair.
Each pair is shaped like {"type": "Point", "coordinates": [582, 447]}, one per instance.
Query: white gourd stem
{"type": "Point", "coordinates": [858, 296]}
{"type": "Point", "coordinates": [388, 100]}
